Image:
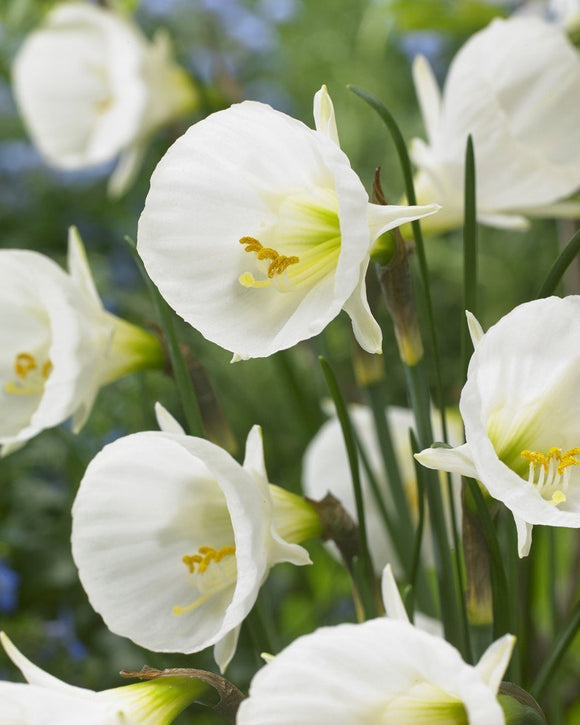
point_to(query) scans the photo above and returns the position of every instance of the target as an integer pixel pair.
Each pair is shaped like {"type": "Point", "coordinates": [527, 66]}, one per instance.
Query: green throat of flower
{"type": "Point", "coordinates": [301, 248]}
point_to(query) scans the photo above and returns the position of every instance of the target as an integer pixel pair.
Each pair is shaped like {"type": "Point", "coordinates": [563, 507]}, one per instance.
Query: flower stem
{"type": "Point", "coordinates": [366, 586]}
{"type": "Point", "coordinates": [561, 264]}
{"type": "Point", "coordinates": [182, 377]}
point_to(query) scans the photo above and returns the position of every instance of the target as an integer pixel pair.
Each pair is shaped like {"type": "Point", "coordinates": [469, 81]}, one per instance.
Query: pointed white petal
{"type": "Point", "coordinates": [254, 454]}
{"type": "Point", "coordinates": [126, 170]}
{"type": "Point", "coordinates": [382, 218]}
{"type": "Point", "coordinates": [428, 94]}
{"type": "Point", "coordinates": [324, 119]}
{"type": "Point", "coordinates": [166, 422]}
{"type": "Point", "coordinates": [79, 268]}
{"type": "Point", "coordinates": [475, 329]}
{"type": "Point", "coordinates": [494, 661]}
{"type": "Point", "coordinates": [366, 329]}
{"type": "Point", "coordinates": [225, 649]}
{"type": "Point", "coordinates": [524, 536]}
{"type": "Point", "coordinates": [504, 221]}
{"type": "Point", "coordinates": [36, 676]}
{"type": "Point", "coordinates": [453, 460]}
{"type": "Point", "coordinates": [394, 607]}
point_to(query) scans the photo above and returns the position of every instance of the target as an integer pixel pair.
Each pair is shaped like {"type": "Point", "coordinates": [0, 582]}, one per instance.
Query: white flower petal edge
{"type": "Point", "coordinates": [58, 345]}
{"type": "Point", "coordinates": [258, 232]}
{"type": "Point", "coordinates": [46, 699]}
{"type": "Point", "coordinates": [502, 86]}
{"type": "Point", "coordinates": [384, 670]}
{"type": "Point", "coordinates": [90, 86]}
{"type": "Point", "coordinates": [173, 538]}
{"type": "Point", "coordinates": [519, 406]}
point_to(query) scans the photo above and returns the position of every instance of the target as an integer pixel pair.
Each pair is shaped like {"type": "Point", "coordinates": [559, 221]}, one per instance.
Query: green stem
{"type": "Point", "coordinates": [450, 597]}
{"type": "Point", "coordinates": [561, 264]}
{"type": "Point", "coordinates": [501, 603]}
{"type": "Point", "coordinates": [561, 644]}
{"type": "Point", "coordinates": [469, 253]}
{"type": "Point", "coordinates": [178, 365]}
{"type": "Point", "coordinates": [366, 586]}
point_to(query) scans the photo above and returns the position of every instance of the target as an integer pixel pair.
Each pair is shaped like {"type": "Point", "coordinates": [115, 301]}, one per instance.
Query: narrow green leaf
{"type": "Point", "coordinates": [469, 253]}
{"type": "Point", "coordinates": [567, 256]}
{"type": "Point", "coordinates": [366, 586]}
{"type": "Point", "coordinates": [182, 377]}
{"type": "Point", "coordinates": [561, 644]}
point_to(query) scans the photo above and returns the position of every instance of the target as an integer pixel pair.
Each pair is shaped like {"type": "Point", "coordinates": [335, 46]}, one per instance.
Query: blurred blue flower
{"type": "Point", "coordinates": [62, 634]}
{"type": "Point", "coordinates": [9, 587]}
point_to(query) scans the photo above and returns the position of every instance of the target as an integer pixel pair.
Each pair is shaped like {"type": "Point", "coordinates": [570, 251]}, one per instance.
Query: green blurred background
{"type": "Point", "coordinates": [279, 52]}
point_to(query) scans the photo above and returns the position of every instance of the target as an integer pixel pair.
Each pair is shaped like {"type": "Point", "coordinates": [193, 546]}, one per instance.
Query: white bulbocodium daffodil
{"type": "Point", "coordinates": [515, 87]}
{"type": "Point", "coordinates": [58, 345]}
{"type": "Point", "coordinates": [46, 699]}
{"type": "Point", "coordinates": [90, 86]}
{"type": "Point", "coordinates": [173, 538]}
{"type": "Point", "coordinates": [519, 408]}
{"type": "Point", "coordinates": [326, 468]}
{"type": "Point", "coordinates": [381, 671]}
{"type": "Point", "coordinates": [258, 232]}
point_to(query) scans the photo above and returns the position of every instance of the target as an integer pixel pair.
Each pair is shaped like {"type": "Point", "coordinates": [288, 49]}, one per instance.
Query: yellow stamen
{"type": "Point", "coordinates": [24, 363]}
{"type": "Point", "coordinates": [279, 263]}
{"type": "Point", "coordinates": [552, 475]}
{"type": "Point", "coordinates": [30, 376]}
{"type": "Point", "coordinates": [203, 559]}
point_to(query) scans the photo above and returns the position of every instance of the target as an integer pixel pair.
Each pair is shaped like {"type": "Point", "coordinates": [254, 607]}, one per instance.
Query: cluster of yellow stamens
{"type": "Point", "coordinates": [216, 580]}
{"type": "Point", "coordinates": [30, 375]}
{"type": "Point", "coordinates": [279, 263]}
{"type": "Point", "coordinates": [554, 471]}
{"type": "Point", "coordinates": [206, 555]}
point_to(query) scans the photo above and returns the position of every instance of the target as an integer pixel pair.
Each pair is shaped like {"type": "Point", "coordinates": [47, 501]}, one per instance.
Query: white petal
{"type": "Point", "coordinates": [352, 674]}
{"type": "Point", "coordinates": [126, 170]}
{"type": "Point", "coordinates": [524, 536]}
{"type": "Point", "coordinates": [494, 661]}
{"type": "Point", "coordinates": [32, 705]}
{"type": "Point", "coordinates": [382, 218]}
{"type": "Point", "coordinates": [366, 329]}
{"type": "Point", "coordinates": [453, 460]}
{"type": "Point", "coordinates": [394, 607]}
{"type": "Point", "coordinates": [475, 329]}
{"type": "Point", "coordinates": [428, 94]}
{"type": "Point", "coordinates": [225, 649]}
{"type": "Point", "coordinates": [324, 119]}
{"type": "Point", "coordinates": [35, 676]}
{"type": "Point", "coordinates": [166, 422]}
{"type": "Point", "coordinates": [504, 221]}
{"type": "Point", "coordinates": [79, 269]}
{"type": "Point", "coordinates": [145, 502]}
{"type": "Point", "coordinates": [257, 159]}
{"type": "Point", "coordinates": [254, 455]}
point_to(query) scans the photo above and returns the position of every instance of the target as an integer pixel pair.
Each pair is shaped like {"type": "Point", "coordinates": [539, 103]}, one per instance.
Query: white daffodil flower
{"type": "Point", "coordinates": [258, 232]}
{"type": "Point", "coordinates": [57, 343]}
{"type": "Point", "coordinates": [519, 407]}
{"type": "Point", "coordinates": [326, 468]}
{"type": "Point", "coordinates": [515, 87]}
{"type": "Point", "coordinates": [382, 671]}
{"type": "Point", "coordinates": [90, 86]}
{"type": "Point", "coordinates": [173, 538]}
{"type": "Point", "coordinates": [46, 700]}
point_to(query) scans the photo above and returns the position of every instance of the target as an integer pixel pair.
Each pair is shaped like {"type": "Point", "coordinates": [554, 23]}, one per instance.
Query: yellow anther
{"type": "Point", "coordinates": [568, 458]}
{"type": "Point", "coordinates": [24, 363]}
{"type": "Point", "coordinates": [47, 369]}
{"type": "Point", "coordinates": [30, 376]}
{"type": "Point", "coordinates": [279, 263]}
{"type": "Point", "coordinates": [204, 558]}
